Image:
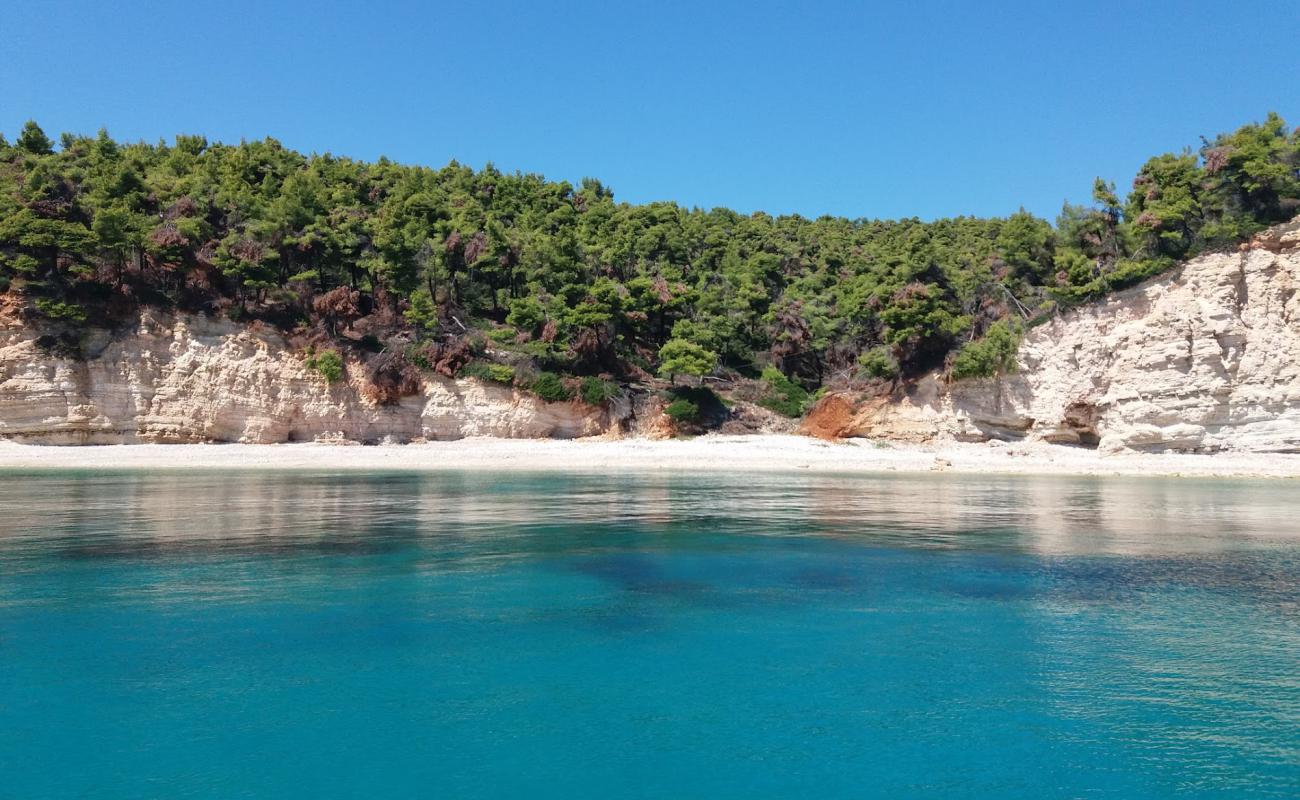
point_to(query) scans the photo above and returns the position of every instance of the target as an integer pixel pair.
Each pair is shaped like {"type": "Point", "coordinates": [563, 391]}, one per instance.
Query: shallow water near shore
{"type": "Point", "coordinates": [219, 634]}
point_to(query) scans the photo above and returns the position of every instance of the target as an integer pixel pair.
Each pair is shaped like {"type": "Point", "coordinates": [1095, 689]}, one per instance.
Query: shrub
{"type": "Point", "coordinates": [878, 363]}
{"type": "Point", "coordinates": [56, 309]}
{"type": "Point", "coordinates": [22, 264]}
{"type": "Point", "coordinates": [339, 305]}
{"type": "Point", "coordinates": [1131, 272]}
{"type": "Point", "coordinates": [496, 373]}
{"type": "Point", "coordinates": [445, 358]}
{"type": "Point", "coordinates": [549, 387]}
{"type": "Point", "coordinates": [992, 353]}
{"type": "Point", "coordinates": [783, 395]}
{"type": "Point", "coordinates": [540, 350]}
{"type": "Point", "coordinates": [418, 355]}
{"type": "Point", "coordinates": [1127, 272]}
{"type": "Point", "coordinates": [503, 336]}
{"type": "Point", "coordinates": [695, 404]}
{"type": "Point", "coordinates": [526, 314]}
{"type": "Point", "coordinates": [390, 377]}
{"type": "Point", "coordinates": [595, 391]}
{"type": "Point", "coordinates": [682, 410]}
{"type": "Point", "coordinates": [423, 312]}
{"type": "Point", "coordinates": [328, 363]}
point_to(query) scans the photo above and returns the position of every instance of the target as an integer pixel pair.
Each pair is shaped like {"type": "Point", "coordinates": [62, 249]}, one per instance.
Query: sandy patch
{"type": "Point", "coordinates": [766, 453]}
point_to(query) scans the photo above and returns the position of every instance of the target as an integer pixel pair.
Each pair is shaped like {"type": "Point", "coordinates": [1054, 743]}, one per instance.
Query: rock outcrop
{"type": "Point", "coordinates": [195, 379]}
{"type": "Point", "coordinates": [1204, 358]}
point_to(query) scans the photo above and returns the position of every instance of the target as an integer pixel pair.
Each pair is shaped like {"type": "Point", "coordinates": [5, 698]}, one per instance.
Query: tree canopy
{"type": "Point", "coordinates": [353, 254]}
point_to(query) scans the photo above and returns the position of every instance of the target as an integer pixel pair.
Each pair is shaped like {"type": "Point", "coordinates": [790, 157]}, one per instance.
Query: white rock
{"type": "Point", "coordinates": [1204, 358]}
{"type": "Point", "coordinates": [195, 379]}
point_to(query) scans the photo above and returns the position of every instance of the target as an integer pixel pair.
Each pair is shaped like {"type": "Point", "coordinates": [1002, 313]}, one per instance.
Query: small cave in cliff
{"type": "Point", "coordinates": [1079, 425]}
{"type": "Point", "coordinates": [1089, 440]}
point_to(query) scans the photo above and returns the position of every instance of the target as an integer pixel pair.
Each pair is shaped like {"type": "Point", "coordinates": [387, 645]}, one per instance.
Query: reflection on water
{"type": "Point", "coordinates": [472, 634]}
{"type": "Point", "coordinates": [137, 514]}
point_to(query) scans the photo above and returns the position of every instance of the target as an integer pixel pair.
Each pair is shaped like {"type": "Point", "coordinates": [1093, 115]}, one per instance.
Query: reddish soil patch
{"type": "Point", "coordinates": [831, 418]}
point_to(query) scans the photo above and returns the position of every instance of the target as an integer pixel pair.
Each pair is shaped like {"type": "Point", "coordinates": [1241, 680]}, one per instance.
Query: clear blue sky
{"type": "Point", "coordinates": [895, 110]}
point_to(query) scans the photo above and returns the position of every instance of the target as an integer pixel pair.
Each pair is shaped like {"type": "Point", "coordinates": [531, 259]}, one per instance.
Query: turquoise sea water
{"type": "Point", "coordinates": [221, 635]}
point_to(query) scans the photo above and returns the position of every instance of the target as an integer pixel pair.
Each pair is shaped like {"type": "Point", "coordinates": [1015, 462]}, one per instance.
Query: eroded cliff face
{"type": "Point", "coordinates": [1205, 358]}
{"type": "Point", "coordinates": [195, 379]}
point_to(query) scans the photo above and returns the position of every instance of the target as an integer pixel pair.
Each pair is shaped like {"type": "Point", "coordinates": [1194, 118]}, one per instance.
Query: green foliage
{"type": "Point", "coordinates": [1025, 245]}
{"type": "Point", "coordinates": [922, 322]}
{"type": "Point", "coordinates": [1252, 178]}
{"type": "Point", "coordinates": [680, 357]}
{"type": "Point", "coordinates": [682, 410]}
{"type": "Point", "coordinates": [328, 363]}
{"type": "Point", "coordinates": [550, 387]}
{"type": "Point", "coordinates": [59, 310]}
{"type": "Point", "coordinates": [1130, 272]}
{"type": "Point", "coordinates": [33, 140]}
{"type": "Point", "coordinates": [694, 405]}
{"type": "Point", "coordinates": [496, 373]}
{"type": "Point", "coordinates": [783, 395]}
{"type": "Point", "coordinates": [1165, 205]}
{"type": "Point", "coordinates": [423, 314]}
{"type": "Point", "coordinates": [595, 391]}
{"type": "Point", "coordinates": [878, 363]}
{"type": "Point", "coordinates": [581, 283]}
{"type": "Point", "coordinates": [526, 314]}
{"type": "Point", "coordinates": [991, 354]}
{"type": "Point", "coordinates": [503, 336]}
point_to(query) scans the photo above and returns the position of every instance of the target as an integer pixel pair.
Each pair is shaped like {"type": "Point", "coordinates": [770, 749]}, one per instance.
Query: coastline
{"type": "Point", "coordinates": [712, 453]}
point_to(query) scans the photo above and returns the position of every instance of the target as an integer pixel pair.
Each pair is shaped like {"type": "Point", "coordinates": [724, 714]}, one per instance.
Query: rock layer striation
{"type": "Point", "coordinates": [194, 379]}
{"type": "Point", "coordinates": [1205, 358]}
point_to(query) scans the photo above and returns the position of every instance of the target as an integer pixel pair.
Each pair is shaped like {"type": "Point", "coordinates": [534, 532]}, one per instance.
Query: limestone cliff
{"type": "Point", "coordinates": [1204, 358]}
{"type": "Point", "coordinates": [196, 379]}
